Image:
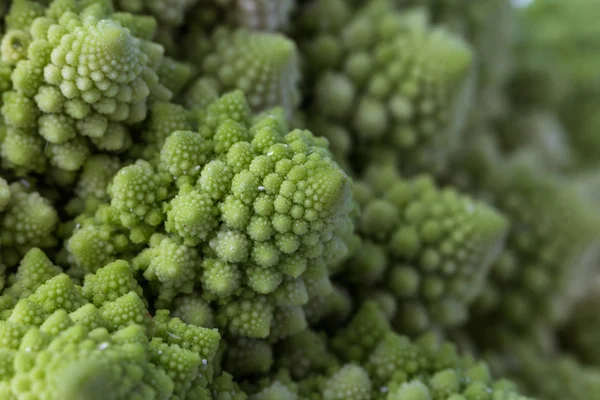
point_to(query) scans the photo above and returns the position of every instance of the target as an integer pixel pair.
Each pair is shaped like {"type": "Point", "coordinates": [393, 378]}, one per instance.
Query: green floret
{"type": "Point", "coordinates": [175, 75]}
{"type": "Point", "coordinates": [287, 321]}
{"type": "Point", "coordinates": [208, 15]}
{"type": "Point", "coordinates": [351, 382]}
{"type": "Point", "coordinates": [170, 265]}
{"type": "Point", "coordinates": [276, 391]}
{"type": "Point", "coordinates": [57, 322]}
{"type": "Point", "coordinates": [553, 74]}
{"type": "Point", "coordinates": [125, 310]}
{"type": "Point", "coordinates": [263, 65]}
{"type": "Point", "coordinates": [56, 345]}
{"type": "Point", "coordinates": [551, 375]}
{"type": "Point", "coordinates": [360, 336]}
{"type": "Point", "coordinates": [92, 365]}
{"type": "Point", "coordinates": [393, 367]}
{"type": "Point", "coordinates": [98, 240]}
{"type": "Point", "coordinates": [430, 247]}
{"type": "Point", "coordinates": [58, 293]}
{"type": "Point", "coordinates": [28, 313]}
{"type": "Point", "coordinates": [136, 193]}
{"type": "Point", "coordinates": [321, 294]}
{"type": "Point", "coordinates": [193, 309]}
{"type": "Point", "coordinates": [91, 188]}
{"type": "Point", "coordinates": [65, 91]}
{"type": "Point", "coordinates": [23, 13]}
{"type": "Point", "coordinates": [253, 206]}
{"type": "Point", "coordinates": [199, 339]}
{"type": "Point", "coordinates": [110, 282]}
{"type": "Point", "coordinates": [28, 220]}
{"type": "Point", "coordinates": [224, 387]}
{"type": "Point", "coordinates": [93, 245]}
{"type": "Point", "coordinates": [248, 314]}
{"type": "Point", "coordinates": [246, 357]}
{"type": "Point", "coordinates": [492, 28]}
{"type": "Point", "coordinates": [552, 247]}
{"type": "Point", "coordinates": [88, 316]}
{"type": "Point", "coordinates": [33, 271]}
{"type": "Point", "coordinates": [306, 353]}
{"type": "Point", "coordinates": [378, 77]}
{"type": "Point", "coordinates": [164, 118]}
{"type": "Point", "coordinates": [200, 94]}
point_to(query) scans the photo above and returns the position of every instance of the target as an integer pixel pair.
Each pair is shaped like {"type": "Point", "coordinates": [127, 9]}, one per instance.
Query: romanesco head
{"type": "Point", "coordinates": [389, 81]}
{"type": "Point", "coordinates": [82, 79]}
{"type": "Point", "coordinates": [431, 247]}
{"type": "Point", "coordinates": [244, 205]}
{"type": "Point", "coordinates": [57, 345]}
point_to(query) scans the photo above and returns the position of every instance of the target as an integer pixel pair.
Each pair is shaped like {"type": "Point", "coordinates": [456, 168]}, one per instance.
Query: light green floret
{"type": "Point", "coordinates": [28, 220]}
{"type": "Point", "coordinates": [248, 315]}
{"type": "Point", "coordinates": [193, 309]}
{"type": "Point", "coordinates": [110, 282]}
{"type": "Point", "coordinates": [210, 15]}
{"type": "Point", "coordinates": [389, 81]}
{"type": "Point", "coordinates": [552, 251]}
{"type": "Point", "coordinates": [224, 387]}
{"type": "Point", "coordinates": [163, 119]}
{"type": "Point", "coordinates": [56, 345]}
{"type": "Point", "coordinates": [88, 364]}
{"type": "Point", "coordinates": [351, 382]}
{"type": "Point", "coordinates": [306, 353]}
{"type": "Point", "coordinates": [430, 247]}
{"type": "Point", "coordinates": [287, 321]}
{"type": "Point", "coordinates": [393, 367]}
{"type": "Point", "coordinates": [91, 188]}
{"type": "Point", "coordinates": [93, 245]}
{"type": "Point", "coordinates": [83, 78]}
{"type": "Point", "coordinates": [259, 206]}
{"type": "Point", "coordinates": [175, 75]}
{"type": "Point", "coordinates": [357, 340]}
{"type": "Point", "coordinates": [33, 271]}
{"type": "Point", "coordinates": [430, 369]}
{"type": "Point", "coordinates": [169, 266]}
{"type": "Point", "coordinates": [58, 293]}
{"type": "Point", "coordinates": [136, 194]}
{"type": "Point", "coordinates": [276, 391]}
{"type": "Point", "coordinates": [263, 65]}
{"type": "Point", "coordinates": [125, 310]}
{"type": "Point", "coordinates": [199, 339]}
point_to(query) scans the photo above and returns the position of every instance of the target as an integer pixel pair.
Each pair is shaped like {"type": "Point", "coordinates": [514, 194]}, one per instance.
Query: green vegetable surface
{"type": "Point", "coordinates": [299, 200]}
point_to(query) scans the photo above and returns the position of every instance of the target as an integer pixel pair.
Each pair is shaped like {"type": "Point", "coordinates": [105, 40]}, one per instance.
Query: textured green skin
{"type": "Point", "coordinates": [248, 214]}
{"type": "Point", "coordinates": [65, 347]}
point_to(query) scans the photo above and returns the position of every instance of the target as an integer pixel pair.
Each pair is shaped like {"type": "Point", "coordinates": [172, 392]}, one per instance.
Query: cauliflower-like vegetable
{"type": "Point", "coordinates": [264, 65]}
{"type": "Point", "coordinates": [27, 220]}
{"type": "Point", "coordinates": [243, 206]}
{"type": "Point", "coordinates": [380, 84]}
{"type": "Point", "coordinates": [552, 247]}
{"type": "Point", "coordinates": [430, 247]}
{"type": "Point", "coordinates": [83, 77]}
{"type": "Point", "coordinates": [57, 345]}
{"type": "Point", "coordinates": [393, 367]}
